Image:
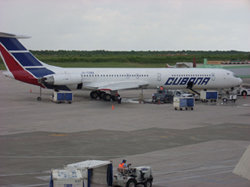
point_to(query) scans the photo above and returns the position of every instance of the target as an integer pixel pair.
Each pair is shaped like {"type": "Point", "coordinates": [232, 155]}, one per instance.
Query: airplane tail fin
{"type": "Point", "coordinates": [19, 61]}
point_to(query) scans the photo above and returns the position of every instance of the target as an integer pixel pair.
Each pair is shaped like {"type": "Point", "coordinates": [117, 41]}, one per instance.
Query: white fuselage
{"type": "Point", "coordinates": [171, 78]}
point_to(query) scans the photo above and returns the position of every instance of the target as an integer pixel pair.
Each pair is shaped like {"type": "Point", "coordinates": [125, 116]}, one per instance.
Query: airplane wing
{"type": "Point", "coordinates": [117, 85]}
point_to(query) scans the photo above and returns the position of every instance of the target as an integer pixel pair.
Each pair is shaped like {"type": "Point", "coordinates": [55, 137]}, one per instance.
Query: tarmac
{"type": "Point", "coordinates": [184, 148]}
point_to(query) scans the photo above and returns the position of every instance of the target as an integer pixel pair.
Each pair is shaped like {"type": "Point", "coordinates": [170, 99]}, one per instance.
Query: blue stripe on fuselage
{"type": "Point", "coordinates": [27, 59]}
{"type": "Point", "coordinates": [40, 72]}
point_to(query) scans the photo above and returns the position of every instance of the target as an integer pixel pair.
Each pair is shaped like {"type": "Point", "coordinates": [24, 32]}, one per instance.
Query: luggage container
{"type": "Point", "coordinates": [94, 172]}
{"type": "Point", "coordinates": [181, 103]}
{"type": "Point", "coordinates": [210, 95]}
{"type": "Point", "coordinates": [66, 178]}
{"type": "Point", "coordinates": [62, 97]}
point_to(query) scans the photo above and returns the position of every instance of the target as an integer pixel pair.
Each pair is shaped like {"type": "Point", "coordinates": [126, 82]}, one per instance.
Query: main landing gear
{"type": "Point", "coordinates": [39, 98]}
{"type": "Point", "coordinates": [97, 94]}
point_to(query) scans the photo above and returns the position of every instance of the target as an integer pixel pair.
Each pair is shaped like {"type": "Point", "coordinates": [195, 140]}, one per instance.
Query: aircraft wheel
{"type": "Point", "coordinates": [148, 183]}
{"type": "Point", "coordinates": [131, 183]}
{"type": "Point", "coordinates": [107, 97]}
{"type": "Point", "coordinates": [102, 95]}
{"type": "Point", "coordinates": [39, 98]}
{"type": "Point", "coordinates": [93, 95]}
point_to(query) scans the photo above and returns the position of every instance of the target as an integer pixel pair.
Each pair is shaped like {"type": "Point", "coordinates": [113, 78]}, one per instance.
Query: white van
{"type": "Point", "coordinates": [243, 90]}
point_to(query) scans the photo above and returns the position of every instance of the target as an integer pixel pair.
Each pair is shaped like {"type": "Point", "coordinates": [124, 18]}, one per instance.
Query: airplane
{"type": "Point", "coordinates": [105, 83]}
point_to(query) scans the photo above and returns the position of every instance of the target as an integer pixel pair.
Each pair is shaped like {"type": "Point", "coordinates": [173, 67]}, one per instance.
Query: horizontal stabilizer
{"type": "Point", "coordinates": [8, 35]}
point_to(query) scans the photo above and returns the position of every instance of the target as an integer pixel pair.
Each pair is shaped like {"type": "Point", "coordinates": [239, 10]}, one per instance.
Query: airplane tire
{"type": "Point", "coordinates": [244, 93]}
{"type": "Point", "coordinates": [102, 95]}
{"type": "Point", "coordinates": [107, 97]}
{"type": "Point", "coordinates": [224, 100]}
{"type": "Point", "coordinates": [148, 183]}
{"type": "Point", "coordinates": [39, 98]}
{"type": "Point", "coordinates": [131, 183]}
{"type": "Point", "coordinates": [93, 95]}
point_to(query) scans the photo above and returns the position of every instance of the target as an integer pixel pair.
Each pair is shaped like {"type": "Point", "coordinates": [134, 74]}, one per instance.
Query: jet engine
{"type": "Point", "coordinates": [62, 79]}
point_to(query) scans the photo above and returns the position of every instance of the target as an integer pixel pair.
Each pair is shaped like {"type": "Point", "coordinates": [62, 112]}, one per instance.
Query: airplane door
{"type": "Point", "coordinates": [213, 77]}
{"type": "Point", "coordinates": [158, 77]}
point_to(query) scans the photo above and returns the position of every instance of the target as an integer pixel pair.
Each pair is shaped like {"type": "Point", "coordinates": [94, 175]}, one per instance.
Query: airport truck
{"type": "Point", "coordinates": [244, 90]}
{"type": "Point", "coordinates": [162, 96]}
{"type": "Point", "coordinates": [133, 176]}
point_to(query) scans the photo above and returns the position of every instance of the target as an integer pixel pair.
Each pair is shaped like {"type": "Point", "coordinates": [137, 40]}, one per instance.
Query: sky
{"type": "Point", "coordinates": [124, 25]}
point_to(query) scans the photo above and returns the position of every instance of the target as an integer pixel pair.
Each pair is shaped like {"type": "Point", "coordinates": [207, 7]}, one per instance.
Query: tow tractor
{"type": "Point", "coordinates": [133, 176]}
{"type": "Point", "coordinates": [162, 96]}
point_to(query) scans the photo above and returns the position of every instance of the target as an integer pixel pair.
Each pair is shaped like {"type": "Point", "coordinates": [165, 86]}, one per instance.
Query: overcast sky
{"type": "Point", "coordinates": [129, 24]}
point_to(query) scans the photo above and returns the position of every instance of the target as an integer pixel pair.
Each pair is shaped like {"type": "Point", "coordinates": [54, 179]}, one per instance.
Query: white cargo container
{"type": "Point", "coordinates": [65, 178]}
{"type": "Point", "coordinates": [183, 103]}
{"type": "Point", "coordinates": [94, 172]}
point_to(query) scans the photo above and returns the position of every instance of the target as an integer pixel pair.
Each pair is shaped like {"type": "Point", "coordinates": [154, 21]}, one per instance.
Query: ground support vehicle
{"type": "Point", "coordinates": [162, 96]}
{"type": "Point", "coordinates": [230, 97]}
{"type": "Point", "coordinates": [182, 103]}
{"type": "Point", "coordinates": [131, 177]}
{"type": "Point", "coordinates": [209, 96]}
{"type": "Point", "coordinates": [244, 90]}
{"type": "Point", "coordinates": [97, 172]}
{"type": "Point", "coordinates": [62, 97]}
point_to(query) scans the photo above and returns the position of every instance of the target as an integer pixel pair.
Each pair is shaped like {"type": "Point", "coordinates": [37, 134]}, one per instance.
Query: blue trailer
{"type": "Point", "coordinates": [62, 97]}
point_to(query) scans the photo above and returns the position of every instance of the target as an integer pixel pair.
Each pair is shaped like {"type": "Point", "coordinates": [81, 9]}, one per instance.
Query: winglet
{"type": "Point", "coordinates": [8, 35]}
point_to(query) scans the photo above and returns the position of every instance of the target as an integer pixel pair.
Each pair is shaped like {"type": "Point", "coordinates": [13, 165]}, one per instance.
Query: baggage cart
{"type": "Point", "coordinates": [62, 97]}
{"type": "Point", "coordinates": [181, 103]}
{"type": "Point", "coordinates": [209, 95]}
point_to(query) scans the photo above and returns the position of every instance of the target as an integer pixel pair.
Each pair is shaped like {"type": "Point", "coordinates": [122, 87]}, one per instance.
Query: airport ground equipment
{"type": "Point", "coordinates": [182, 103]}
{"type": "Point", "coordinates": [61, 97]}
{"type": "Point", "coordinates": [94, 172]}
{"type": "Point", "coordinates": [230, 97]}
{"type": "Point", "coordinates": [243, 90]}
{"type": "Point", "coordinates": [162, 96]}
{"type": "Point", "coordinates": [62, 178]}
{"type": "Point", "coordinates": [133, 176]}
{"type": "Point", "coordinates": [209, 96]}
